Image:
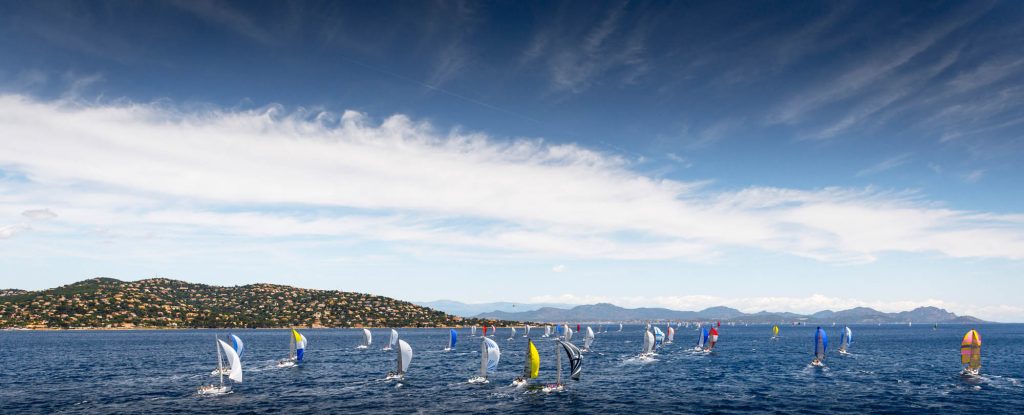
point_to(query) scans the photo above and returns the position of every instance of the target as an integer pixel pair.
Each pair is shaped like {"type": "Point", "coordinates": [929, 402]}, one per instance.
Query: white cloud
{"type": "Point", "coordinates": [801, 305]}
{"type": "Point", "coordinates": [142, 169]}
{"type": "Point", "coordinates": [559, 268]}
{"type": "Point", "coordinates": [39, 214]}
{"type": "Point", "coordinates": [11, 230]}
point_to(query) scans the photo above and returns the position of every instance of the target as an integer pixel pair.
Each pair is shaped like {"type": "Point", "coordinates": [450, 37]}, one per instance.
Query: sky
{"type": "Point", "coordinates": [783, 156]}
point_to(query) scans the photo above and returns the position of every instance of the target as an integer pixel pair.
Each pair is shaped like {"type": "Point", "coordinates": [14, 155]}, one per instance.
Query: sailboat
{"type": "Point", "coordinates": [404, 357]}
{"type": "Point", "coordinates": [588, 339]}
{"type": "Point", "coordinates": [970, 354]}
{"type": "Point", "coordinates": [494, 331]}
{"type": "Point", "coordinates": [527, 328]}
{"type": "Point", "coordinates": [575, 365]}
{"type": "Point", "coordinates": [234, 371]}
{"type": "Point", "coordinates": [712, 338]}
{"type": "Point", "coordinates": [702, 340]}
{"type": "Point", "coordinates": [845, 339]}
{"type": "Point", "coordinates": [453, 337]}
{"type": "Point", "coordinates": [367, 340]}
{"type": "Point", "coordinates": [472, 331]}
{"type": "Point", "coordinates": [659, 337]}
{"type": "Point", "coordinates": [239, 346]}
{"type": "Point", "coordinates": [485, 330]}
{"type": "Point", "coordinates": [490, 354]}
{"type": "Point", "coordinates": [647, 353]}
{"type": "Point", "coordinates": [532, 368]}
{"type": "Point", "coordinates": [512, 335]}
{"type": "Point", "coordinates": [775, 332]}
{"type": "Point", "coordinates": [671, 335]}
{"type": "Point", "coordinates": [297, 345]}
{"type": "Point", "coordinates": [547, 331]}
{"type": "Point", "coordinates": [620, 326]}
{"type": "Point", "coordinates": [820, 346]}
{"type": "Point", "coordinates": [392, 341]}
{"type": "Point", "coordinates": [568, 333]}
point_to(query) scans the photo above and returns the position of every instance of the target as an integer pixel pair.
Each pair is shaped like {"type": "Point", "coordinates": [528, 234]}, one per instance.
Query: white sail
{"type": "Point", "coordinates": [511, 336]}
{"type": "Point", "coordinates": [367, 338]}
{"type": "Point", "coordinates": [527, 334]}
{"type": "Point", "coordinates": [234, 362]}
{"type": "Point", "coordinates": [589, 339]}
{"type": "Point", "coordinates": [472, 331]}
{"type": "Point", "coordinates": [620, 326]}
{"type": "Point", "coordinates": [394, 339]}
{"type": "Point", "coordinates": [568, 333]}
{"type": "Point", "coordinates": [491, 356]}
{"type": "Point", "coordinates": [404, 356]}
{"type": "Point", "coordinates": [648, 342]}
{"type": "Point", "coordinates": [238, 344]}
{"type": "Point", "coordinates": [547, 331]}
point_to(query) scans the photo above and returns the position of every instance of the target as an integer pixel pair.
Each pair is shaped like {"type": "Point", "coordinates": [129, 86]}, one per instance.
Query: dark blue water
{"type": "Point", "coordinates": [892, 369]}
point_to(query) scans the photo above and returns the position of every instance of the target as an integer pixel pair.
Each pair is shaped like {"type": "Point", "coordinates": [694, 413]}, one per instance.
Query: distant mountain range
{"type": "Point", "coordinates": [610, 312]}
{"type": "Point", "coordinates": [469, 309]}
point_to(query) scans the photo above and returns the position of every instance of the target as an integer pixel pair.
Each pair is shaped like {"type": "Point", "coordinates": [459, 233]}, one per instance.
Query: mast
{"type": "Point", "coordinates": [483, 359]}
{"type": "Point", "coordinates": [558, 363]}
{"type": "Point", "coordinates": [220, 360]}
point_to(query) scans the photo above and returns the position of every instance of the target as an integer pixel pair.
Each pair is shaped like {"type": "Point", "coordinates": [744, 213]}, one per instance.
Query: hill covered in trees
{"type": "Point", "coordinates": [165, 303]}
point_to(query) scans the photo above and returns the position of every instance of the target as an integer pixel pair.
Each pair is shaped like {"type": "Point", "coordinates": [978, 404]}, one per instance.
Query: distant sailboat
{"type": "Point", "coordinates": [547, 331]}
{"type": "Point", "coordinates": [575, 365]}
{"type": "Point", "coordinates": [775, 332]}
{"type": "Point", "coordinates": [532, 368]}
{"type": "Point", "coordinates": [239, 346]}
{"type": "Point", "coordinates": [820, 347]}
{"type": "Point", "coordinates": [671, 335]}
{"type": "Point", "coordinates": [392, 341]}
{"type": "Point", "coordinates": [512, 335]}
{"type": "Point", "coordinates": [453, 337]}
{"type": "Point", "coordinates": [494, 331]}
{"type": "Point", "coordinates": [620, 326]}
{"type": "Point", "coordinates": [490, 354]}
{"type": "Point", "coordinates": [588, 339]}
{"type": "Point", "coordinates": [712, 338]}
{"type": "Point", "coordinates": [472, 331]}
{"type": "Point", "coordinates": [970, 353]}
{"type": "Point", "coordinates": [404, 357]}
{"type": "Point", "coordinates": [659, 337]}
{"type": "Point", "coordinates": [367, 340]}
{"type": "Point", "coordinates": [527, 329]}
{"type": "Point", "coordinates": [485, 330]}
{"type": "Point", "coordinates": [845, 340]}
{"type": "Point", "coordinates": [568, 333]}
{"type": "Point", "coordinates": [297, 349]}
{"type": "Point", "coordinates": [702, 340]}
{"type": "Point", "coordinates": [234, 371]}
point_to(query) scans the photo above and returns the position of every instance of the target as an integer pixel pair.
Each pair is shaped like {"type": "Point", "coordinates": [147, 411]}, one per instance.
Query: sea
{"type": "Point", "coordinates": [892, 369]}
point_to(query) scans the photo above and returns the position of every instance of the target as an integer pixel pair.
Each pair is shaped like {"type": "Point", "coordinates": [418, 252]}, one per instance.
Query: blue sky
{"type": "Point", "coordinates": [762, 155]}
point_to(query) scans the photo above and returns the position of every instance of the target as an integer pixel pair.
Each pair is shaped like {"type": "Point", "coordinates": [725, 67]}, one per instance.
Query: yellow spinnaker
{"type": "Point", "coordinates": [775, 330]}
{"type": "Point", "coordinates": [298, 337]}
{"type": "Point", "coordinates": [532, 361]}
{"type": "Point", "coordinates": [970, 350]}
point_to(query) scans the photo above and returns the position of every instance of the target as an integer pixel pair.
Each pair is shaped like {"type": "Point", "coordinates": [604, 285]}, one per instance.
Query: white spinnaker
{"type": "Point", "coordinates": [404, 356]}
{"type": "Point", "coordinates": [394, 338]}
{"type": "Point", "coordinates": [648, 342]}
{"type": "Point", "coordinates": [233, 361]}
{"type": "Point", "coordinates": [589, 339]}
{"type": "Point", "coordinates": [367, 338]}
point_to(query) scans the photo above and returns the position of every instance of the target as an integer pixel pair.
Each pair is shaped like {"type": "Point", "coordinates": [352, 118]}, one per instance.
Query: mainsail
{"type": "Point", "coordinates": [453, 337]}
{"type": "Point", "coordinates": [494, 331]}
{"type": "Point", "coordinates": [234, 362]}
{"type": "Point", "coordinates": [472, 331]}
{"type": "Point", "coordinates": [404, 356]}
{"type": "Point", "coordinates": [527, 334]}
{"type": "Point", "coordinates": [703, 338]}
{"type": "Point", "coordinates": [970, 350]}
{"type": "Point", "coordinates": [620, 326]}
{"type": "Point", "coordinates": [489, 356]}
{"type": "Point", "coordinates": [820, 344]}
{"type": "Point", "coordinates": [512, 334]}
